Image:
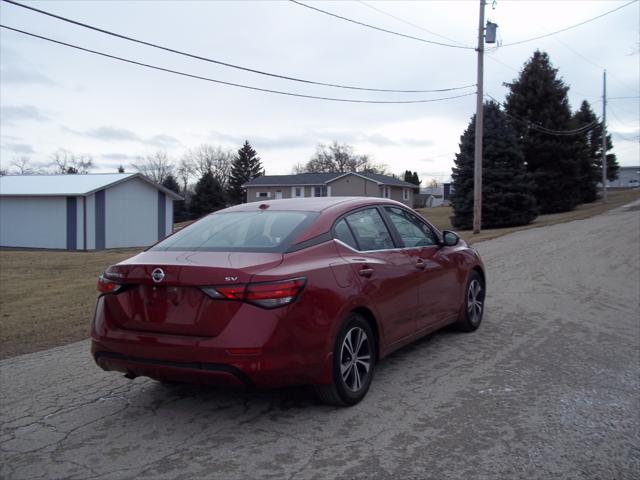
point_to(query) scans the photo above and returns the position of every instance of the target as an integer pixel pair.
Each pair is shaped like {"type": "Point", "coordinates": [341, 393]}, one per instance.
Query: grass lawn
{"type": "Point", "coordinates": [47, 297]}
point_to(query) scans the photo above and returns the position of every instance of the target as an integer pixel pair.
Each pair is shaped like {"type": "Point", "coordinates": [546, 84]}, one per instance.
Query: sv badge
{"type": "Point", "coordinates": [230, 279]}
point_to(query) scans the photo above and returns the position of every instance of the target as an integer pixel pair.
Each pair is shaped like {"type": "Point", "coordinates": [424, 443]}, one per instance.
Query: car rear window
{"type": "Point", "coordinates": [263, 231]}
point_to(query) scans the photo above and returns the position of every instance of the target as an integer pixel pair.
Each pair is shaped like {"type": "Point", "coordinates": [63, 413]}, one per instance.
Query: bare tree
{"type": "Point", "coordinates": [22, 166]}
{"type": "Point", "coordinates": [207, 158]}
{"type": "Point", "coordinates": [156, 167]}
{"type": "Point", "coordinates": [299, 168]}
{"type": "Point", "coordinates": [184, 172]}
{"type": "Point", "coordinates": [338, 158]}
{"type": "Point", "coordinates": [64, 161]}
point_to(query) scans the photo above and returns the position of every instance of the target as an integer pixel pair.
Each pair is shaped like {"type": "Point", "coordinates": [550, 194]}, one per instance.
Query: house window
{"type": "Point", "coordinates": [405, 194]}
{"type": "Point", "coordinates": [386, 192]}
{"type": "Point", "coordinates": [263, 194]}
{"type": "Point", "coordinates": [297, 192]}
{"type": "Point", "coordinates": [320, 191]}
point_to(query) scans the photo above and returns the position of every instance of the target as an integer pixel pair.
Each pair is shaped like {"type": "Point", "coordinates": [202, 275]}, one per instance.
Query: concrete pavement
{"type": "Point", "coordinates": [547, 388]}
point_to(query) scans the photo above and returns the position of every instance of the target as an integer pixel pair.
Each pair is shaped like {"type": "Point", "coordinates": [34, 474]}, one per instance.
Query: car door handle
{"type": "Point", "coordinates": [365, 272]}
{"type": "Point", "coordinates": [420, 265]}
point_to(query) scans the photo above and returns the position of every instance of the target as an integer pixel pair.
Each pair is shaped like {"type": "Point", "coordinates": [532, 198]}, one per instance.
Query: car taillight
{"type": "Point", "coordinates": [263, 294]}
{"type": "Point", "coordinates": [107, 286]}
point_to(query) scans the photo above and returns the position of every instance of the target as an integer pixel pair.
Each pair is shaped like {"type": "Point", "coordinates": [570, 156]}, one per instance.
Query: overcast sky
{"type": "Point", "coordinates": [56, 97]}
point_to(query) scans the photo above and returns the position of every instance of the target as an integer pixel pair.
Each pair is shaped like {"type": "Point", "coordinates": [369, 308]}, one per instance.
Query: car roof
{"type": "Point", "coordinates": [311, 204]}
{"type": "Point", "coordinates": [328, 209]}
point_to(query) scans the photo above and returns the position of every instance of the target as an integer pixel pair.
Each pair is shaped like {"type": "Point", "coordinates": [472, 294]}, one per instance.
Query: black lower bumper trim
{"type": "Point", "coordinates": [205, 367]}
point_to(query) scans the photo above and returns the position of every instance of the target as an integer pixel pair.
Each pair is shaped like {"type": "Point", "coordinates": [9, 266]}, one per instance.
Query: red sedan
{"type": "Point", "coordinates": [313, 291]}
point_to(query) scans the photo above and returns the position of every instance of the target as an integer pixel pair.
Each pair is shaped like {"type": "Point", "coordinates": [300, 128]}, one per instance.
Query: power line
{"type": "Point", "coordinates": [226, 64]}
{"type": "Point", "coordinates": [391, 32]}
{"type": "Point", "coordinates": [433, 33]}
{"type": "Point", "coordinates": [570, 27]}
{"type": "Point", "coordinates": [248, 87]}
{"type": "Point", "coordinates": [549, 131]}
{"type": "Point", "coordinates": [591, 62]}
{"type": "Point", "coordinates": [621, 98]}
{"type": "Point", "coordinates": [407, 22]}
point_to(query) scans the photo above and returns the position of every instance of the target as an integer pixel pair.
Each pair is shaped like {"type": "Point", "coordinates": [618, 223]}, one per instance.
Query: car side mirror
{"type": "Point", "coordinates": [450, 239]}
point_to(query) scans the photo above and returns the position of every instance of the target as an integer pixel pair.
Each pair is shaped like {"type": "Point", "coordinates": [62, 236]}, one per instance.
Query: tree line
{"type": "Point", "coordinates": [208, 177]}
{"type": "Point", "coordinates": [538, 156]}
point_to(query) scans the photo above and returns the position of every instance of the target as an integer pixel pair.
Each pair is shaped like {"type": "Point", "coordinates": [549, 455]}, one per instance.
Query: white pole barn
{"type": "Point", "coordinates": [83, 212]}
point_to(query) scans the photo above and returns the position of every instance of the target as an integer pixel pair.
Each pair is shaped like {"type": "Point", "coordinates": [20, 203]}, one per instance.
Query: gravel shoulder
{"type": "Point", "coordinates": [549, 387]}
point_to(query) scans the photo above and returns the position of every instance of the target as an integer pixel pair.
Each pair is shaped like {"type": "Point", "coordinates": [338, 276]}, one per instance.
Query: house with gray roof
{"type": "Point", "coordinates": [350, 184]}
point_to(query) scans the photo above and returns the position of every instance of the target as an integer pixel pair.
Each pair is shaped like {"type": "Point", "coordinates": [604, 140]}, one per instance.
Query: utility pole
{"type": "Point", "coordinates": [477, 170]}
{"type": "Point", "coordinates": [604, 136]}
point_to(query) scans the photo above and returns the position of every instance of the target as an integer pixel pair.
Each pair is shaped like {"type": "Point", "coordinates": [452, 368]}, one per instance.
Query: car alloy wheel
{"type": "Point", "coordinates": [474, 302]}
{"type": "Point", "coordinates": [472, 308]}
{"type": "Point", "coordinates": [355, 359]}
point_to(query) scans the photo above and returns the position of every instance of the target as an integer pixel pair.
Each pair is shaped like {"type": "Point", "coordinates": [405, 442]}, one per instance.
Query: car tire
{"type": "Point", "coordinates": [473, 306]}
{"type": "Point", "coordinates": [354, 359]}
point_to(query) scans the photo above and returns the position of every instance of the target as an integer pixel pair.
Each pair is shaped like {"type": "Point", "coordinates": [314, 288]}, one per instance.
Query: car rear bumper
{"type": "Point", "coordinates": [192, 372]}
{"type": "Point", "coordinates": [263, 348]}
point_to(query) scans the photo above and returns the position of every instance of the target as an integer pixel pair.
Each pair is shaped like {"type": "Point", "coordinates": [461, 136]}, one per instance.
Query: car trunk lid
{"type": "Point", "coordinates": [162, 290]}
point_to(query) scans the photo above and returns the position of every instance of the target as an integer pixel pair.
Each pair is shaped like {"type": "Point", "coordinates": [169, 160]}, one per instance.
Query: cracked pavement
{"type": "Point", "coordinates": [547, 388]}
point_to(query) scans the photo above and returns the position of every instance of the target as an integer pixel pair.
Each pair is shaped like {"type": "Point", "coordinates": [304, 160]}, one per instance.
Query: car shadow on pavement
{"type": "Point", "coordinates": [389, 371]}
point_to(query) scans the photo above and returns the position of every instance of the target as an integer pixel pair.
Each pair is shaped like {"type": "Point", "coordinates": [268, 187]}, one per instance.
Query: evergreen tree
{"type": "Point", "coordinates": [591, 143]}
{"type": "Point", "coordinates": [538, 98]}
{"type": "Point", "coordinates": [180, 213]}
{"type": "Point", "coordinates": [208, 196]}
{"type": "Point", "coordinates": [408, 176]}
{"type": "Point", "coordinates": [246, 166]}
{"type": "Point", "coordinates": [120, 169]}
{"type": "Point", "coordinates": [507, 189]}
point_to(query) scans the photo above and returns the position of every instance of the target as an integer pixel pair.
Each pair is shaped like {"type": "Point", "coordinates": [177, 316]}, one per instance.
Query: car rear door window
{"type": "Point", "coordinates": [412, 231]}
{"type": "Point", "coordinates": [369, 229]}
{"type": "Point", "coordinates": [343, 233]}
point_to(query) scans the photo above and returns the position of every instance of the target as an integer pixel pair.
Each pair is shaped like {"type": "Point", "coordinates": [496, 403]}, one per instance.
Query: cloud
{"type": "Point", "coordinates": [314, 137]}
{"type": "Point", "coordinates": [108, 133]}
{"type": "Point", "coordinates": [15, 75]}
{"type": "Point", "coordinates": [22, 148]}
{"type": "Point", "coordinates": [117, 156]}
{"type": "Point", "coordinates": [10, 114]}
{"type": "Point", "coordinates": [13, 70]}
{"type": "Point", "coordinates": [163, 141]}
{"type": "Point", "coordinates": [112, 133]}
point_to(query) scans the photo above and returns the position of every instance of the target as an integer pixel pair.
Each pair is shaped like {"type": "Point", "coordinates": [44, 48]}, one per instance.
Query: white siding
{"type": "Point", "coordinates": [33, 222]}
{"type": "Point", "coordinates": [91, 222]}
{"type": "Point", "coordinates": [169, 215]}
{"type": "Point", "coordinates": [131, 215]}
{"type": "Point", "coordinates": [80, 223]}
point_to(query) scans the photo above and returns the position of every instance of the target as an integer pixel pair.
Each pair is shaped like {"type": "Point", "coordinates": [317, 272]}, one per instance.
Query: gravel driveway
{"type": "Point", "coordinates": [547, 388]}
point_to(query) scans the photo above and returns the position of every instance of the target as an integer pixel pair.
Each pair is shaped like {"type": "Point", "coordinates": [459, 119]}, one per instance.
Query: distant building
{"type": "Point", "coordinates": [434, 196]}
{"type": "Point", "coordinates": [351, 184]}
{"type": "Point", "coordinates": [83, 212]}
{"type": "Point", "coordinates": [628, 177]}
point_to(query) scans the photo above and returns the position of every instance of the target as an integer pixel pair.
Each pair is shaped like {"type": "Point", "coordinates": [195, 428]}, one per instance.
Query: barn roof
{"type": "Point", "coordinates": [69, 185]}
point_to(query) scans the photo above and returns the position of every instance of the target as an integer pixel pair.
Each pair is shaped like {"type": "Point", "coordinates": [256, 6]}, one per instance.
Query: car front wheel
{"type": "Point", "coordinates": [354, 358]}
{"type": "Point", "coordinates": [473, 308]}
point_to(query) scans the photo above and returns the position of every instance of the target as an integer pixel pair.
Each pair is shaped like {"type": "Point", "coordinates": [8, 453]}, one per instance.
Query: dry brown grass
{"type": "Point", "coordinates": [439, 216]}
{"type": "Point", "coordinates": [47, 297]}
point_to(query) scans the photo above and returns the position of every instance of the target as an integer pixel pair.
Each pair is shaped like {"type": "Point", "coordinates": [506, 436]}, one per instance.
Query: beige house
{"type": "Point", "coordinates": [351, 184]}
